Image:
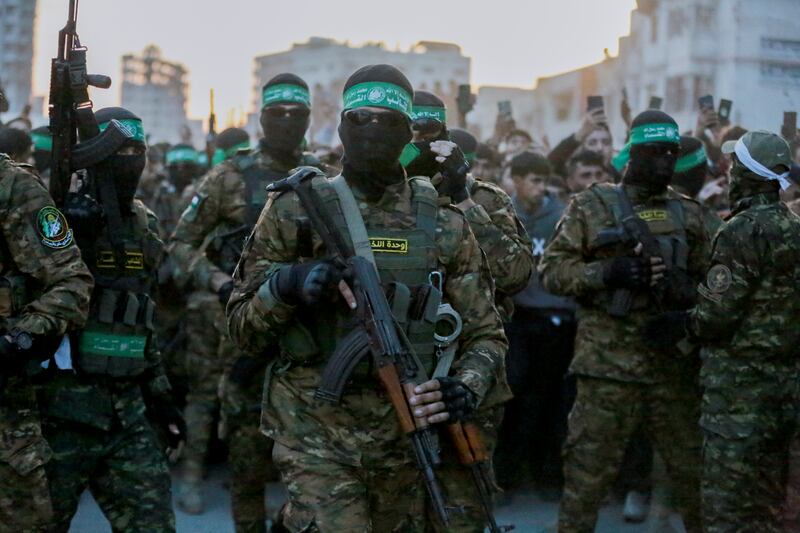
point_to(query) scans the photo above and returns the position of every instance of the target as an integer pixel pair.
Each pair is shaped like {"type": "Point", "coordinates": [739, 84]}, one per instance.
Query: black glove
{"type": "Point", "coordinates": [163, 412]}
{"type": "Point", "coordinates": [307, 283]}
{"type": "Point", "coordinates": [664, 331]}
{"type": "Point", "coordinates": [627, 272]}
{"type": "Point", "coordinates": [454, 171]}
{"type": "Point", "coordinates": [244, 369]}
{"type": "Point", "coordinates": [224, 293]}
{"type": "Point", "coordinates": [459, 401]}
{"type": "Point", "coordinates": [84, 215]}
{"type": "Point", "coordinates": [15, 347]}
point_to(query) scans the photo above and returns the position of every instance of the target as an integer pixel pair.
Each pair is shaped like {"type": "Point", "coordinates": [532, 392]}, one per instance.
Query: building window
{"type": "Point", "coordinates": [677, 95]}
{"type": "Point", "coordinates": [563, 105]}
{"type": "Point", "coordinates": [780, 73]}
{"type": "Point", "coordinates": [705, 16]}
{"type": "Point", "coordinates": [780, 48]}
{"type": "Point", "coordinates": [676, 22]}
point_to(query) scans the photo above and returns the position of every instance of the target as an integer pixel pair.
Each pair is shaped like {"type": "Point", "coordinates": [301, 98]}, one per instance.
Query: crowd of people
{"type": "Point", "coordinates": [626, 318]}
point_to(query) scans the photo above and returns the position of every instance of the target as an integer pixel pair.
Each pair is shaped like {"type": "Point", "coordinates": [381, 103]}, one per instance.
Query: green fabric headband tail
{"type": "Point", "coordinates": [655, 133]}
{"type": "Point", "coordinates": [378, 94]}
{"type": "Point", "coordinates": [42, 142]}
{"type": "Point", "coordinates": [285, 93]}
{"type": "Point", "coordinates": [182, 155]}
{"type": "Point", "coordinates": [470, 157]}
{"type": "Point", "coordinates": [437, 113]}
{"type": "Point", "coordinates": [689, 161]}
{"type": "Point", "coordinates": [621, 159]}
{"type": "Point", "coordinates": [233, 150]}
{"type": "Point", "coordinates": [133, 126]}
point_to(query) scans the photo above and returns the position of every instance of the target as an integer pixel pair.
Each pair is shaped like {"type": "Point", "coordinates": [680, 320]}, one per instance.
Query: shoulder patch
{"type": "Point", "coordinates": [53, 228]}
{"type": "Point", "coordinates": [719, 279]}
{"type": "Point", "coordinates": [190, 213]}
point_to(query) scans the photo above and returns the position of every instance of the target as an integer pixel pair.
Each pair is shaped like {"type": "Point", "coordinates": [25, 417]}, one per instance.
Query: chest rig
{"type": "Point", "coordinates": [666, 220]}
{"type": "Point", "coordinates": [406, 257]}
{"type": "Point", "coordinates": [226, 248]}
{"type": "Point", "coordinates": [122, 311]}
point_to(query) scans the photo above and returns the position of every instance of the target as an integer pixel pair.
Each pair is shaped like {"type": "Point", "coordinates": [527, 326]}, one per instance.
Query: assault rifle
{"type": "Point", "coordinates": [675, 291]}
{"type": "Point", "coordinates": [211, 138]}
{"type": "Point", "coordinates": [71, 115]}
{"type": "Point", "coordinates": [398, 367]}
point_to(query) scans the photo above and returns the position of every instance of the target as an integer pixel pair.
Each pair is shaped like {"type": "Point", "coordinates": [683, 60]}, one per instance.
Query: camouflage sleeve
{"type": "Point", "coordinates": [563, 266]}
{"type": "Point", "coordinates": [41, 245]}
{"type": "Point", "coordinates": [255, 316]}
{"type": "Point", "coordinates": [728, 284]}
{"type": "Point", "coordinates": [468, 288]}
{"type": "Point", "coordinates": [203, 214]}
{"type": "Point", "coordinates": [155, 377]}
{"type": "Point", "coordinates": [702, 229]}
{"type": "Point", "coordinates": [502, 237]}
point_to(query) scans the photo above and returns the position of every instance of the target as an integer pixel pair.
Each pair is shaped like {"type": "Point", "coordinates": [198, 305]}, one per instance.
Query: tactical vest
{"type": "Point", "coordinates": [407, 262]}
{"type": "Point", "coordinates": [667, 222]}
{"type": "Point", "coordinates": [120, 324]}
{"type": "Point", "coordinates": [226, 247]}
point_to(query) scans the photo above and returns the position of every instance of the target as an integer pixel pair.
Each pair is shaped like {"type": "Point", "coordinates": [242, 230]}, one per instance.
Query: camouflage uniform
{"type": "Point", "coordinates": [94, 419]}
{"type": "Point", "coordinates": [49, 264]}
{"type": "Point", "coordinates": [623, 383]}
{"type": "Point", "coordinates": [207, 240]}
{"type": "Point", "coordinates": [750, 372]}
{"type": "Point", "coordinates": [508, 250]}
{"type": "Point", "coordinates": [347, 467]}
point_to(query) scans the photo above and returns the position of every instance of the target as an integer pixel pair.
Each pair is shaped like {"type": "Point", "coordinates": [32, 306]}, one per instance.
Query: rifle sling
{"type": "Point", "coordinates": [355, 222]}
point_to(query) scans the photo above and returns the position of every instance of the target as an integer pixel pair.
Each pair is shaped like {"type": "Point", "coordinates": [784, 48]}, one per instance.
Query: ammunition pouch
{"type": "Point", "coordinates": [117, 335]}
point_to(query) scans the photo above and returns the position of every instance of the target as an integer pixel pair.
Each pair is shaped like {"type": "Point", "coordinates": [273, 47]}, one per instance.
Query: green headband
{"type": "Point", "coordinates": [134, 127]}
{"type": "Point", "coordinates": [285, 93]}
{"type": "Point", "coordinates": [424, 111]}
{"type": "Point", "coordinates": [689, 161]}
{"type": "Point", "coordinates": [378, 94]}
{"type": "Point", "coordinates": [235, 149]}
{"type": "Point", "coordinates": [621, 159]}
{"type": "Point", "coordinates": [182, 155]}
{"type": "Point", "coordinates": [42, 142]}
{"type": "Point", "coordinates": [470, 157]}
{"type": "Point", "coordinates": [655, 133]}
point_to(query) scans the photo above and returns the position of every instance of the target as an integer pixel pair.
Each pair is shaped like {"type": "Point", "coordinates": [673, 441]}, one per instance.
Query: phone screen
{"type": "Point", "coordinates": [706, 102]}
{"type": "Point", "coordinates": [594, 102]}
{"type": "Point", "coordinates": [655, 102]}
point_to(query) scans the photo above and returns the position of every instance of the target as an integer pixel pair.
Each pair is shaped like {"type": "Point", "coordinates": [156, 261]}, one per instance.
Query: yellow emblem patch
{"type": "Point", "coordinates": [653, 214]}
{"type": "Point", "coordinates": [389, 246]}
{"type": "Point", "coordinates": [133, 261]}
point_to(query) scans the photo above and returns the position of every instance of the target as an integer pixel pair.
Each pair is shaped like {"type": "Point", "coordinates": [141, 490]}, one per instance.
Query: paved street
{"type": "Point", "coordinates": [529, 514]}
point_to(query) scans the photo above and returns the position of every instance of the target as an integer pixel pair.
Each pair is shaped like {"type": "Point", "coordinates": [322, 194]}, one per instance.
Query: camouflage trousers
{"type": "Point", "coordinates": [24, 493]}
{"type": "Point", "coordinates": [747, 450]}
{"type": "Point", "coordinates": [249, 450]}
{"type": "Point", "coordinates": [601, 422]}
{"type": "Point", "coordinates": [205, 326]}
{"type": "Point", "coordinates": [382, 495]}
{"type": "Point", "coordinates": [124, 469]}
{"type": "Point", "coordinates": [457, 483]}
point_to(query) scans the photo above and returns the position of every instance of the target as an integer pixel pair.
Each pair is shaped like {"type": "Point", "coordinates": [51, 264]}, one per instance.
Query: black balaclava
{"type": "Point", "coordinates": [14, 142]}
{"type": "Point", "coordinates": [125, 169]}
{"type": "Point", "coordinates": [691, 180]}
{"type": "Point", "coordinates": [467, 142]}
{"type": "Point", "coordinates": [183, 171]}
{"type": "Point", "coordinates": [425, 163]}
{"type": "Point", "coordinates": [42, 148]}
{"type": "Point", "coordinates": [372, 151]}
{"type": "Point", "coordinates": [652, 164]}
{"type": "Point", "coordinates": [283, 136]}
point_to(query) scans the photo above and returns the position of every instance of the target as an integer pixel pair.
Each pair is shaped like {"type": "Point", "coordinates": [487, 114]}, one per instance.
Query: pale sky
{"type": "Point", "coordinates": [511, 42]}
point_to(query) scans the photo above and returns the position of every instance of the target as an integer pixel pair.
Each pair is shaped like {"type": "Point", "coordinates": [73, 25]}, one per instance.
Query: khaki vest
{"type": "Point", "coordinates": [405, 259]}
